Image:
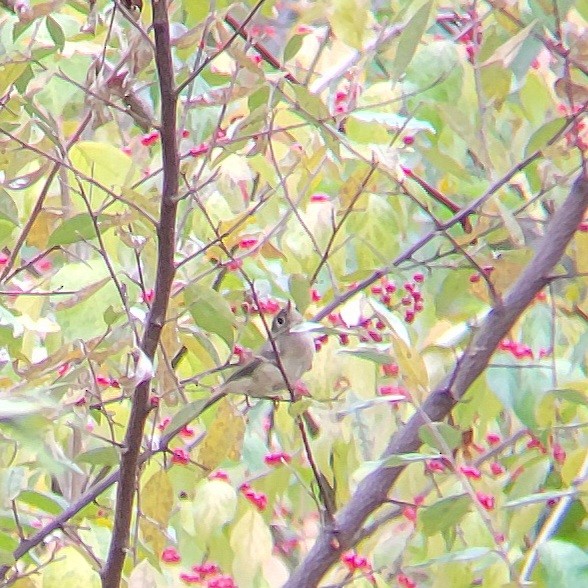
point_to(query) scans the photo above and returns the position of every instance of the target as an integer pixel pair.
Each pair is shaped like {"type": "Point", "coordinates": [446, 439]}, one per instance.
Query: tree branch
{"type": "Point", "coordinates": [111, 573]}
{"type": "Point", "coordinates": [372, 492]}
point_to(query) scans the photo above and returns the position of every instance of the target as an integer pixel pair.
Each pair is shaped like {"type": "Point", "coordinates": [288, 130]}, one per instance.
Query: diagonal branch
{"type": "Point", "coordinates": [372, 492]}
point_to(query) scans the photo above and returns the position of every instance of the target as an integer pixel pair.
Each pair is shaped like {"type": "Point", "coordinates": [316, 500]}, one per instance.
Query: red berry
{"type": "Point", "coordinates": [219, 475]}
{"type": "Point", "coordinates": [496, 468]}
{"type": "Point", "coordinates": [180, 456]}
{"type": "Point", "coordinates": [559, 453]}
{"type": "Point", "coordinates": [150, 138]}
{"type": "Point", "coordinates": [405, 581]}
{"type": "Point", "coordinates": [234, 264]}
{"type": "Point", "coordinates": [492, 439]}
{"type": "Point", "coordinates": [277, 458]}
{"type": "Point", "coordinates": [486, 500]}
{"type": "Point", "coordinates": [375, 336]}
{"type": "Point", "coordinates": [390, 369]}
{"type": "Point", "coordinates": [435, 466]}
{"type": "Point", "coordinates": [170, 555]}
{"type": "Point", "coordinates": [410, 513]}
{"type": "Point", "coordinates": [471, 472]}
{"type": "Point", "coordinates": [198, 149]}
{"type": "Point", "coordinates": [247, 243]}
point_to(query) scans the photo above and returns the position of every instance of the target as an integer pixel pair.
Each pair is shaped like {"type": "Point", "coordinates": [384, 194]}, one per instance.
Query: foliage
{"type": "Point", "coordinates": [391, 167]}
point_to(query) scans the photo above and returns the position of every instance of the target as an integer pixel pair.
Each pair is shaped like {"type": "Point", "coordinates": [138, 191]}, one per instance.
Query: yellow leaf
{"type": "Point", "coordinates": [157, 499]}
{"type": "Point", "coordinates": [69, 569]}
{"type": "Point", "coordinates": [213, 506]}
{"type": "Point", "coordinates": [412, 367]}
{"type": "Point", "coordinates": [580, 248]}
{"type": "Point", "coordinates": [103, 162]}
{"type": "Point", "coordinates": [349, 22]}
{"type": "Point", "coordinates": [506, 271]}
{"type": "Point", "coordinates": [42, 227]}
{"type": "Point", "coordinates": [144, 575]}
{"type": "Point", "coordinates": [359, 183]}
{"type": "Point", "coordinates": [82, 294]}
{"type": "Point", "coordinates": [251, 542]}
{"type": "Point", "coordinates": [270, 252]}
{"type": "Point", "coordinates": [224, 437]}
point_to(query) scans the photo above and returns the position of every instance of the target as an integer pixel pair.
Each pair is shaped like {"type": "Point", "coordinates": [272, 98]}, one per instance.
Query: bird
{"type": "Point", "coordinates": [262, 376]}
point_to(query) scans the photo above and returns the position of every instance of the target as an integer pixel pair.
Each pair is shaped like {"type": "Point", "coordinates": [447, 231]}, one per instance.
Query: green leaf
{"type": "Point", "coordinates": [405, 458]}
{"type": "Point", "coordinates": [293, 47]}
{"type": "Point", "coordinates": [309, 104]}
{"type": "Point", "coordinates": [9, 73]}
{"type": "Point", "coordinates": [368, 353]}
{"type": "Point", "coordinates": [55, 32]}
{"type": "Point", "coordinates": [392, 120]}
{"type": "Point", "coordinates": [211, 312]}
{"type": "Point", "coordinates": [8, 210]}
{"type": "Point", "coordinates": [72, 230]}
{"type": "Point", "coordinates": [505, 54]}
{"type": "Point", "coordinates": [496, 81]}
{"type": "Point", "coordinates": [100, 456]}
{"type": "Point", "coordinates": [111, 315]}
{"type": "Point", "coordinates": [70, 570]}
{"type": "Point", "coordinates": [454, 300]}
{"type": "Point", "coordinates": [540, 497]}
{"type": "Point", "coordinates": [186, 414]}
{"type": "Point", "coordinates": [512, 226]}
{"type": "Point", "coordinates": [543, 135]}
{"type": "Point", "coordinates": [441, 436]}
{"type": "Point", "coordinates": [49, 503]}
{"type": "Point", "coordinates": [582, 8]}
{"type": "Point", "coordinates": [463, 555]}
{"type": "Point", "coordinates": [104, 163]}
{"type": "Point", "coordinates": [517, 393]}
{"type": "Point", "coordinates": [366, 133]}
{"type": "Point", "coordinates": [12, 481]}
{"type": "Point", "coordinates": [445, 514]}
{"type": "Point", "coordinates": [8, 544]}
{"type": "Point", "coordinates": [299, 287]}
{"type": "Point", "coordinates": [410, 39]}
{"type": "Point", "coordinates": [349, 22]}
{"type": "Point", "coordinates": [564, 564]}
{"type": "Point", "coordinates": [257, 99]}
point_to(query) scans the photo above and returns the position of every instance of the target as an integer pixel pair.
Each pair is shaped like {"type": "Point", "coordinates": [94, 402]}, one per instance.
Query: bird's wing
{"type": "Point", "coordinates": [247, 370]}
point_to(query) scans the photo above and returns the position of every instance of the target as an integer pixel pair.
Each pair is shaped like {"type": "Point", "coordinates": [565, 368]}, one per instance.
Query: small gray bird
{"type": "Point", "coordinates": [261, 376]}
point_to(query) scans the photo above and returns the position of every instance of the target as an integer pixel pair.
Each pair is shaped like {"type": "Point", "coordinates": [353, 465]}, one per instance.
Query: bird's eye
{"type": "Point", "coordinates": [280, 320]}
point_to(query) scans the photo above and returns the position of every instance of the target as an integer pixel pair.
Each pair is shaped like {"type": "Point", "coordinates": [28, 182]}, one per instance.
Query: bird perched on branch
{"type": "Point", "coordinates": [286, 355]}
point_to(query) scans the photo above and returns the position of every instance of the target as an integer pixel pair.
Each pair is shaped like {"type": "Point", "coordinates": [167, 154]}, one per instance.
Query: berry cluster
{"type": "Point", "coordinates": [258, 499]}
{"type": "Point", "coordinates": [206, 574]}
{"type": "Point", "coordinates": [521, 350]}
{"type": "Point", "coordinates": [357, 563]}
{"type": "Point", "coordinates": [412, 300]}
